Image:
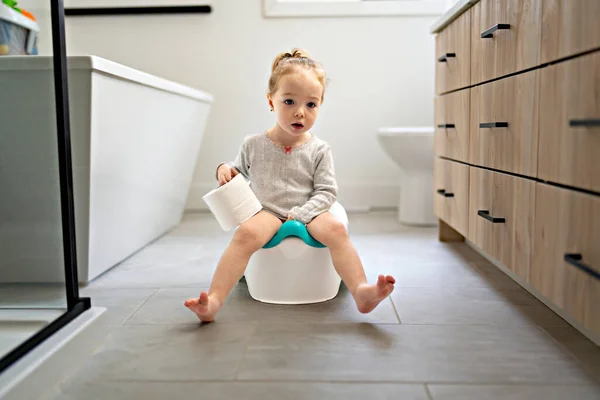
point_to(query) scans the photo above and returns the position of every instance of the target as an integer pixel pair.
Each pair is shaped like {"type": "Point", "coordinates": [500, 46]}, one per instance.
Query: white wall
{"type": "Point", "coordinates": [381, 70]}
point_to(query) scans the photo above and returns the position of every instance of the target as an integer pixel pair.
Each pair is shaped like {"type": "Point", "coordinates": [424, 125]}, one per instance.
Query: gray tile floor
{"type": "Point", "coordinates": [455, 328]}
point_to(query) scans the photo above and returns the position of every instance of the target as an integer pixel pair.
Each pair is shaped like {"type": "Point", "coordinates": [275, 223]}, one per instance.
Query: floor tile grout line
{"type": "Point", "coordinates": [138, 308]}
{"type": "Point", "coordinates": [428, 391]}
{"type": "Point", "coordinates": [341, 323]}
{"type": "Point", "coordinates": [423, 382]}
{"type": "Point", "coordinates": [427, 383]}
{"type": "Point", "coordinates": [395, 310]}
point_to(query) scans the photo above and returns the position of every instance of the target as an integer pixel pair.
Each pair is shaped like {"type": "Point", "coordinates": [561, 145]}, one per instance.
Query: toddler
{"type": "Point", "coordinates": [291, 171]}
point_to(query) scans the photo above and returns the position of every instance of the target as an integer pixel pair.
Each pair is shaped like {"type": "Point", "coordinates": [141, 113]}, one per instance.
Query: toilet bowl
{"type": "Point", "coordinates": [411, 148]}
{"type": "Point", "coordinates": [294, 268]}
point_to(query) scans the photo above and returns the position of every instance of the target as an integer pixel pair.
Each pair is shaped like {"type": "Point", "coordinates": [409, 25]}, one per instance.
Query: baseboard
{"type": "Point", "coordinates": [586, 332]}
{"type": "Point", "coordinates": [355, 197]}
{"type": "Point", "coordinates": [56, 358]}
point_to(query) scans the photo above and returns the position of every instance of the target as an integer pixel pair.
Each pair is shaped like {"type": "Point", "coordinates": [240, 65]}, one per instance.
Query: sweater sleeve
{"type": "Point", "coordinates": [325, 190]}
{"type": "Point", "coordinates": [242, 160]}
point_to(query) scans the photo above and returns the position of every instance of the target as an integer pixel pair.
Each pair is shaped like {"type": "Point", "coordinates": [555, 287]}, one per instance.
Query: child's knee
{"type": "Point", "coordinates": [248, 236]}
{"type": "Point", "coordinates": [334, 232]}
{"type": "Point", "coordinates": [337, 229]}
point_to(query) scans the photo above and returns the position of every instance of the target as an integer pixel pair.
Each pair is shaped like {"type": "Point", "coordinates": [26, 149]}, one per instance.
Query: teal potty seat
{"type": "Point", "coordinates": [293, 228]}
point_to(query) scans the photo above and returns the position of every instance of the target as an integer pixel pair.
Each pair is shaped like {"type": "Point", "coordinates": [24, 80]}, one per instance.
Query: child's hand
{"type": "Point", "coordinates": [226, 173]}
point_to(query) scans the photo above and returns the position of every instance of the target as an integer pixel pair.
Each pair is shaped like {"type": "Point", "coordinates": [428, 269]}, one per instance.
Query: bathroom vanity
{"type": "Point", "coordinates": [517, 144]}
{"type": "Point", "coordinates": [135, 139]}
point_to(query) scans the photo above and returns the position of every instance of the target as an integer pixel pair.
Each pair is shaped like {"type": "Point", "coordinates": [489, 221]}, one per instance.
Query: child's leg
{"type": "Point", "coordinates": [329, 231]}
{"type": "Point", "coordinates": [247, 239]}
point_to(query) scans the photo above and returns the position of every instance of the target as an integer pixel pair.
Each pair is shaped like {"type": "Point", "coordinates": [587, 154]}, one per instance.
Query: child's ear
{"type": "Point", "coordinates": [270, 100]}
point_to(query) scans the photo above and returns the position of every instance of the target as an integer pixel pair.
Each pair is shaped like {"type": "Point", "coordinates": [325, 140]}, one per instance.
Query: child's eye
{"type": "Point", "coordinates": [312, 105]}
{"type": "Point", "coordinates": [289, 101]}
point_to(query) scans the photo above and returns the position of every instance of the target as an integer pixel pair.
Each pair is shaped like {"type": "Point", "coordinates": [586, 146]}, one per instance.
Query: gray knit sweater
{"type": "Point", "coordinates": [299, 182]}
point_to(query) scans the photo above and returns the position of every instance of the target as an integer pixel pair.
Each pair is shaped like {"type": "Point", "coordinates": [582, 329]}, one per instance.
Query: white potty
{"type": "Point", "coordinates": [293, 268]}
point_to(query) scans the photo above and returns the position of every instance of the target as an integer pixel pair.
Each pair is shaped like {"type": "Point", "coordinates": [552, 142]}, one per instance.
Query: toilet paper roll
{"type": "Point", "coordinates": [232, 203]}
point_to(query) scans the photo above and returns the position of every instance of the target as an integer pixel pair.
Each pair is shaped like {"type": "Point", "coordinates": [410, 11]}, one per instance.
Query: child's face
{"type": "Point", "coordinates": [297, 100]}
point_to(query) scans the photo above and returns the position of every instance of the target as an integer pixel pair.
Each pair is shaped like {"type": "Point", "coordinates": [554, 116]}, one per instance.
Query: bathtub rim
{"type": "Point", "coordinates": [94, 63]}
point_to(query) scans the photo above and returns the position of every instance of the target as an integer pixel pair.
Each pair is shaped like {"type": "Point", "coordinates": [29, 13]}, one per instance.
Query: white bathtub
{"type": "Point", "coordinates": [135, 139]}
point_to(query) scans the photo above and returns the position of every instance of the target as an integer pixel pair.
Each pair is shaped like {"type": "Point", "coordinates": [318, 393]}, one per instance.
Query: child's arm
{"type": "Point", "coordinates": [241, 162]}
{"type": "Point", "coordinates": [325, 190]}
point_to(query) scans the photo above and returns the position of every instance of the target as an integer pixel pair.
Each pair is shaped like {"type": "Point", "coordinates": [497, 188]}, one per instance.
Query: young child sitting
{"type": "Point", "coordinates": [291, 171]}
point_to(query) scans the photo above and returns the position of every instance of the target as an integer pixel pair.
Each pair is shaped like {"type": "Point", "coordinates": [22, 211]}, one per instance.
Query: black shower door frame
{"type": "Point", "coordinates": [75, 305]}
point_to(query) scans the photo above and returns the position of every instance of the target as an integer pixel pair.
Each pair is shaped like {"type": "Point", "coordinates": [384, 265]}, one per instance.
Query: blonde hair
{"type": "Point", "coordinates": [287, 62]}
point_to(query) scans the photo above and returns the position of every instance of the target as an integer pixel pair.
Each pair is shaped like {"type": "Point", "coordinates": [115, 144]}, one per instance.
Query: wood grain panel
{"type": "Point", "coordinates": [480, 198]}
{"type": "Point", "coordinates": [515, 101]}
{"type": "Point", "coordinates": [508, 50]}
{"type": "Point", "coordinates": [513, 199]}
{"type": "Point", "coordinates": [567, 222]}
{"type": "Point", "coordinates": [569, 27]}
{"type": "Point", "coordinates": [570, 91]}
{"type": "Point", "coordinates": [455, 72]}
{"type": "Point", "coordinates": [452, 125]}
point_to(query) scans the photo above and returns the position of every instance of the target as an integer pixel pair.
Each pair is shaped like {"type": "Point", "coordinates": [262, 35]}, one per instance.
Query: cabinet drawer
{"type": "Point", "coordinates": [570, 94]}
{"type": "Point", "coordinates": [505, 37]}
{"type": "Point", "coordinates": [504, 124]}
{"type": "Point", "coordinates": [452, 47]}
{"type": "Point", "coordinates": [501, 217]}
{"type": "Point", "coordinates": [452, 125]}
{"type": "Point", "coordinates": [481, 182]}
{"type": "Point", "coordinates": [451, 195]}
{"type": "Point", "coordinates": [569, 27]}
{"type": "Point", "coordinates": [566, 223]}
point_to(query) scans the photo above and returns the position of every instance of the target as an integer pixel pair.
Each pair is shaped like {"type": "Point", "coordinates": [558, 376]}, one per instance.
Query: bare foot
{"type": "Point", "coordinates": [368, 296]}
{"type": "Point", "coordinates": [205, 307]}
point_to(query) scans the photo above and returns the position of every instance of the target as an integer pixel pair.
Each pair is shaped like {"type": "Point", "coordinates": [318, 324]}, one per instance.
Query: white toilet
{"type": "Point", "coordinates": [411, 148]}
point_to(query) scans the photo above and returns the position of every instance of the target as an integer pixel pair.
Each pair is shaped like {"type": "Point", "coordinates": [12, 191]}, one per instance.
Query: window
{"type": "Point", "coordinates": [349, 8]}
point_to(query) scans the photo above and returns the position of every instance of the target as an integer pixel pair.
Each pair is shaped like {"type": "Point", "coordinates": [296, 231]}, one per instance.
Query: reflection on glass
{"type": "Point", "coordinates": [32, 288]}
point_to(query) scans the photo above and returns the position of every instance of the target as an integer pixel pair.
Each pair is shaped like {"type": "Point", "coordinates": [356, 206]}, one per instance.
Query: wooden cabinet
{"type": "Point", "coordinates": [453, 52]}
{"type": "Point", "coordinates": [452, 194]}
{"type": "Point", "coordinates": [569, 140]}
{"type": "Point", "coordinates": [569, 27]}
{"type": "Point", "coordinates": [527, 128]}
{"type": "Point", "coordinates": [452, 125]}
{"type": "Point", "coordinates": [505, 37]}
{"type": "Point", "coordinates": [567, 235]}
{"type": "Point", "coordinates": [501, 209]}
{"type": "Point", "coordinates": [504, 124]}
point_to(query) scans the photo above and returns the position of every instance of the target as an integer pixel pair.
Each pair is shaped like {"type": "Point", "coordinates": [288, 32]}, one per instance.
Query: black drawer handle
{"type": "Point", "coordinates": [494, 125]}
{"type": "Point", "coordinates": [584, 122]}
{"type": "Point", "coordinates": [574, 259]}
{"type": "Point", "coordinates": [443, 193]}
{"type": "Point", "coordinates": [445, 126]}
{"type": "Point", "coordinates": [446, 56]}
{"type": "Point", "coordinates": [486, 214]}
{"type": "Point", "coordinates": [490, 32]}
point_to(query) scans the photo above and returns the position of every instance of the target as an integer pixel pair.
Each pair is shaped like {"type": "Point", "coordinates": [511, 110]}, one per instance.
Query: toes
{"type": "Point", "coordinates": [390, 279]}
{"type": "Point", "coordinates": [381, 281]}
{"type": "Point", "coordinates": [191, 302]}
{"type": "Point", "coordinates": [204, 298]}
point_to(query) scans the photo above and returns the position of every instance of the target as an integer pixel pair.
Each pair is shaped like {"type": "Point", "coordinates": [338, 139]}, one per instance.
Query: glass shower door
{"type": "Point", "coordinates": [38, 279]}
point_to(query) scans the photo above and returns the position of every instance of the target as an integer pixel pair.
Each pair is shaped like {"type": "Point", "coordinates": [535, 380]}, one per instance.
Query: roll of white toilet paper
{"type": "Point", "coordinates": [233, 203]}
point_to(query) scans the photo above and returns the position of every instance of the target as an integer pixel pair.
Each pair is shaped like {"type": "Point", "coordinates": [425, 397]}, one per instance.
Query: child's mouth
{"type": "Point", "coordinates": [297, 126]}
